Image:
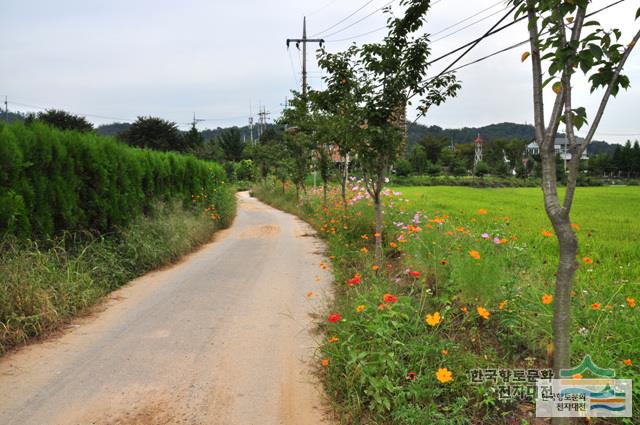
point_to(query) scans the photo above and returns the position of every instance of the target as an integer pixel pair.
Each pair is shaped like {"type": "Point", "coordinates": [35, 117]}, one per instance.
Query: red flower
{"type": "Point", "coordinates": [333, 318]}
{"type": "Point", "coordinates": [355, 280]}
{"type": "Point", "coordinates": [388, 298]}
{"type": "Point", "coordinates": [411, 376]}
{"type": "Point", "coordinates": [414, 274]}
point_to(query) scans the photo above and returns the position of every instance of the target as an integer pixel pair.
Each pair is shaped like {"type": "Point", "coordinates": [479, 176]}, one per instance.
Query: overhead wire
{"type": "Point", "coordinates": [344, 19]}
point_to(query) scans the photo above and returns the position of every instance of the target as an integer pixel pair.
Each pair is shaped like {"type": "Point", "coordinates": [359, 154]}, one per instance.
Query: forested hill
{"type": "Point", "coordinates": [506, 130]}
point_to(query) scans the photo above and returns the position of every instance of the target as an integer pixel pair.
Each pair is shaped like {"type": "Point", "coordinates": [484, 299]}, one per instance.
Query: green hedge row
{"type": "Point", "coordinates": [465, 181]}
{"type": "Point", "coordinates": [55, 181]}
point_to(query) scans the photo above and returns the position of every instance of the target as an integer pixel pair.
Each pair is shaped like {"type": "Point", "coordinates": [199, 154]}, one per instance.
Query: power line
{"type": "Point", "coordinates": [322, 8]}
{"type": "Point", "coordinates": [361, 19]}
{"type": "Point", "coordinates": [293, 68]}
{"type": "Point", "coordinates": [466, 26]}
{"type": "Point", "coordinates": [344, 19]}
{"type": "Point", "coordinates": [432, 34]}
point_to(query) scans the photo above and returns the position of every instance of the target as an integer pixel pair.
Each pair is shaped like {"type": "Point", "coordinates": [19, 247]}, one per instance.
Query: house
{"type": "Point", "coordinates": [561, 147]}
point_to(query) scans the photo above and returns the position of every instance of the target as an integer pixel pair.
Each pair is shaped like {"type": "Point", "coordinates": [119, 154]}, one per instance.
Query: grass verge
{"type": "Point", "coordinates": [45, 284]}
{"type": "Point", "coordinates": [462, 287]}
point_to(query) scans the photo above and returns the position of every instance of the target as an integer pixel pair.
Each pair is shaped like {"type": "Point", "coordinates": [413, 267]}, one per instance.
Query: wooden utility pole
{"type": "Point", "coordinates": [304, 40]}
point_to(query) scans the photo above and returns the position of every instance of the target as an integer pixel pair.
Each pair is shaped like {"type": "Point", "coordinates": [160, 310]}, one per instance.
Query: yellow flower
{"type": "Point", "coordinates": [547, 299]}
{"type": "Point", "coordinates": [483, 312]}
{"type": "Point", "coordinates": [360, 308]}
{"type": "Point", "coordinates": [433, 319]}
{"type": "Point", "coordinates": [503, 304]}
{"type": "Point", "coordinates": [444, 375]}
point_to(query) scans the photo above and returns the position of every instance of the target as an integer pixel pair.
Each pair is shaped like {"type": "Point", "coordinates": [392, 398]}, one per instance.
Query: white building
{"type": "Point", "coordinates": [561, 147]}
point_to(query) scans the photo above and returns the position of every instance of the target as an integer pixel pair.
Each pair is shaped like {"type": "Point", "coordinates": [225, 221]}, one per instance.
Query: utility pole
{"type": "Point", "coordinates": [195, 121]}
{"type": "Point", "coordinates": [251, 125]}
{"type": "Point", "coordinates": [304, 40]}
{"type": "Point", "coordinates": [6, 109]}
{"type": "Point", "coordinates": [263, 117]}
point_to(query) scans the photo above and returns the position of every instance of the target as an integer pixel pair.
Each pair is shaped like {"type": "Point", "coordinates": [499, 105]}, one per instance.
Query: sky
{"type": "Point", "coordinates": [116, 60]}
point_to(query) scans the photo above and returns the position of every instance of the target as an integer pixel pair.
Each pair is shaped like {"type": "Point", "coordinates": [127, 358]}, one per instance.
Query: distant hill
{"type": "Point", "coordinates": [491, 132]}
{"type": "Point", "coordinates": [505, 130]}
{"type": "Point", "coordinates": [113, 129]}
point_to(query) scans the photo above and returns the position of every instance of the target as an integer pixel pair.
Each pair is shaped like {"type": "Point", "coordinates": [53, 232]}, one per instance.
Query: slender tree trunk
{"type": "Point", "coordinates": [324, 192]}
{"type": "Point", "coordinates": [378, 212]}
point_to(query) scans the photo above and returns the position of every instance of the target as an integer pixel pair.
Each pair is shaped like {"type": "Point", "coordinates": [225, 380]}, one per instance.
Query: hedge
{"type": "Point", "coordinates": [54, 181]}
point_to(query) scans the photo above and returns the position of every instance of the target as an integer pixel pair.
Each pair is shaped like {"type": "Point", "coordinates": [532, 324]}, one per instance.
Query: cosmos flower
{"type": "Point", "coordinates": [388, 298]}
{"type": "Point", "coordinates": [335, 317]}
{"type": "Point", "coordinates": [483, 312]}
{"type": "Point", "coordinates": [444, 375]}
{"type": "Point", "coordinates": [433, 319]}
{"type": "Point", "coordinates": [474, 254]}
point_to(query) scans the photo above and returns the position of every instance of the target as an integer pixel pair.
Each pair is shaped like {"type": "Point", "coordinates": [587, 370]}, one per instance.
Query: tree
{"type": "Point", "coordinates": [153, 133]}
{"type": "Point", "coordinates": [386, 76]}
{"type": "Point", "coordinates": [231, 143]}
{"type": "Point", "coordinates": [63, 120]}
{"type": "Point", "coordinates": [192, 140]}
{"type": "Point", "coordinates": [559, 35]}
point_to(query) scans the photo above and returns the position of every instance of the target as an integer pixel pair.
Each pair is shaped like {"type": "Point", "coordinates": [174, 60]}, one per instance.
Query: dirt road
{"type": "Point", "coordinates": [225, 337]}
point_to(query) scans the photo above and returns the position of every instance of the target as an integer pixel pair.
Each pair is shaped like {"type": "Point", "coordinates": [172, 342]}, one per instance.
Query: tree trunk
{"type": "Point", "coordinates": [378, 235]}
{"type": "Point", "coordinates": [324, 193]}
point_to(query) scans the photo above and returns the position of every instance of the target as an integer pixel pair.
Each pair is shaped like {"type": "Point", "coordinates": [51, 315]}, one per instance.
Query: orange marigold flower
{"type": "Point", "coordinates": [631, 302]}
{"type": "Point", "coordinates": [474, 254]}
{"type": "Point", "coordinates": [433, 319]}
{"type": "Point", "coordinates": [310, 294]}
{"type": "Point", "coordinates": [595, 306]}
{"type": "Point", "coordinates": [575, 227]}
{"type": "Point", "coordinates": [414, 274]}
{"type": "Point", "coordinates": [503, 304]}
{"type": "Point", "coordinates": [577, 376]}
{"type": "Point", "coordinates": [464, 309]}
{"type": "Point", "coordinates": [360, 308]}
{"type": "Point", "coordinates": [375, 267]}
{"type": "Point", "coordinates": [547, 234]}
{"type": "Point", "coordinates": [547, 299]}
{"type": "Point", "coordinates": [325, 362]}
{"type": "Point", "coordinates": [627, 362]}
{"type": "Point", "coordinates": [377, 235]}
{"type": "Point", "coordinates": [388, 298]}
{"type": "Point", "coordinates": [364, 249]}
{"type": "Point", "coordinates": [444, 262]}
{"type": "Point", "coordinates": [482, 211]}
{"type": "Point", "coordinates": [460, 229]}
{"type": "Point", "coordinates": [411, 376]}
{"type": "Point", "coordinates": [393, 245]}
{"type": "Point", "coordinates": [444, 375]}
{"type": "Point", "coordinates": [483, 312]}
{"type": "Point", "coordinates": [333, 318]}
{"type": "Point", "coordinates": [382, 306]}
{"type": "Point", "coordinates": [587, 260]}
{"type": "Point", "coordinates": [333, 339]}
{"type": "Point", "coordinates": [365, 237]}
{"type": "Point", "coordinates": [444, 352]}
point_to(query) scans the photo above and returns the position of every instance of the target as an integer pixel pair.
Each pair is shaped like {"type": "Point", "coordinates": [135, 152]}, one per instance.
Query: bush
{"type": "Point", "coordinates": [54, 181]}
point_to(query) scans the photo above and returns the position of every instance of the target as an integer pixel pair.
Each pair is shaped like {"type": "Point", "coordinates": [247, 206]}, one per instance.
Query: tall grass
{"type": "Point", "coordinates": [44, 285]}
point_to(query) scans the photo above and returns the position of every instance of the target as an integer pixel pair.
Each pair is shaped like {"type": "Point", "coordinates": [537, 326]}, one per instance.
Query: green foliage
{"type": "Point", "coordinates": [42, 288]}
{"type": "Point", "coordinates": [53, 181]}
{"type": "Point", "coordinates": [62, 120]}
{"type": "Point", "coordinates": [231, 143]}
{"type": "Point", "coordinates": [154, 133]}
{"type": "Point", "coordinates": [403, 168]}
{"type": "Point", "coordinates": [481, 169]}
